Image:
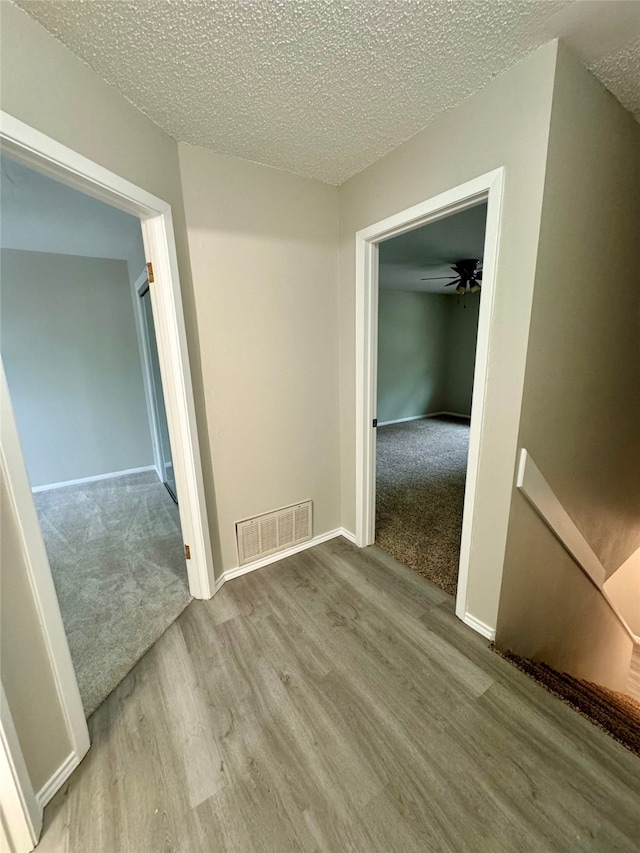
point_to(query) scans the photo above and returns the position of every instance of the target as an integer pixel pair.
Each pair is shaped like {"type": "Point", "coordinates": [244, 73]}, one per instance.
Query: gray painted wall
{"type": "Point", "coordinates": [580, 406]}
{"type": "Point", "coordinates": [71, 355]}
{"type": "Point", "coordinates": [426, 353]}
{"type": "Point", "coordinates": [412, 330]}
{"type": "Point", "coordinates": [462, 338]}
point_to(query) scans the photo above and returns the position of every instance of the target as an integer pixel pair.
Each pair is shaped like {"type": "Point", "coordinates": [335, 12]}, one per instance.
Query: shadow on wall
{"type": "Point", "coordinates": [623, 588]}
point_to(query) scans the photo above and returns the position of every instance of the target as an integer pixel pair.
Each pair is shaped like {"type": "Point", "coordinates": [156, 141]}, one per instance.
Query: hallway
{"type": "Point", "coordinates": [332, 701]}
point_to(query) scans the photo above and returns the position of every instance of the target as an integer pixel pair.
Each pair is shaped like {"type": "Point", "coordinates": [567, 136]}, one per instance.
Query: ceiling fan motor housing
{"type": "Point", "coordinates": [467, 274]}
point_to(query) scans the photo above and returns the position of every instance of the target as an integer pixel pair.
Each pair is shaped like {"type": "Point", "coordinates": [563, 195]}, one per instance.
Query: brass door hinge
{"type": "Point", "coordinates": [150, 272]}
{"type": "Point", "coordinates": [187, 552]}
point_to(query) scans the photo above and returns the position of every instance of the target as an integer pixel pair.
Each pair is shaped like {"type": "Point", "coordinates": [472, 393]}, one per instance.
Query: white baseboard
{"type": "Point", "coordinates": [351, 537]}
{"type": "Point", "coordinates": [230, 574]}
{"type": "Point", "coordinates": [479, 627]}
{"type": "Point", "coordinates": [93, 479]}
{"type": "Point", "coordinates": [456, 415]}
{"type": "Point", "coordinates": [55, 782]}
{"type": "Point", "coordinates": [406, 420]}
{"type": "Point", "coordinates": [423, 417]}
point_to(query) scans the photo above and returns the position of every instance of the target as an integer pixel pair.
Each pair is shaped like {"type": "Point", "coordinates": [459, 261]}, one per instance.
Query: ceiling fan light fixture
{"type": "Point", "coordinates": [475, 287]}
{"type": "Point", "coordinates": [461, 288]}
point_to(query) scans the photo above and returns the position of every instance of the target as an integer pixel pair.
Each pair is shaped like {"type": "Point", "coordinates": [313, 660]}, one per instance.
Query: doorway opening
{"type": "Point", "coordinates": [89, 436]}
{"type": "Point", "coordinates": [486, 190]}
{"type": "Point", "coordinates": [28, 147]}
{"type": "Point", "coordinates": [430, 286]}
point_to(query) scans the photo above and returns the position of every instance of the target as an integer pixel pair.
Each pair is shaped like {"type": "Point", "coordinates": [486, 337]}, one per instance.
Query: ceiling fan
{"type": "Point", "coordinates": [468, 273]}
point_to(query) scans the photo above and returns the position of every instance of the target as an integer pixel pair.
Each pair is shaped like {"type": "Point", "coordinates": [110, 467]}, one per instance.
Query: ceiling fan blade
{"type": "Point", "coordinates": [457, 281]}
{"type": "Point", "coordinates": [438, 277]}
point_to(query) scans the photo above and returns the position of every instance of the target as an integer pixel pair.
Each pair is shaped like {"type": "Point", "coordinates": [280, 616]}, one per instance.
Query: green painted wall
{"type": "Point", "coordinates": [461, 352]}
{"type": "Point", "coordinates": [426, 353]}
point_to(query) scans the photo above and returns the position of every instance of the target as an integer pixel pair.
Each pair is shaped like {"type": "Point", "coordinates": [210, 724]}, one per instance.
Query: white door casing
{"type": "Point", "coordinates": [38, 151]}
{"type": "Point", "coordinates": [486, 188]}
{"type": "Point", "coordinates": [20, 813]}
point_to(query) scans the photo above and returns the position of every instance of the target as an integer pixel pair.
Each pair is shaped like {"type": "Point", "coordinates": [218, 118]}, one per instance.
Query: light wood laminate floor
{"type": "Point", "coordinates": [333, 702]}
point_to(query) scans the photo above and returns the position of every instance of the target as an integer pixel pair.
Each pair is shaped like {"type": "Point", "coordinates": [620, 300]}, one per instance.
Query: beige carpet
{"type": "Point", "coordinates": [420, 476]}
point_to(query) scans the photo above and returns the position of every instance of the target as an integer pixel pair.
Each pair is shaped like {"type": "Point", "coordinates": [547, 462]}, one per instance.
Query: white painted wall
{"type": "Point", "coordinates": [70, 352]}
{"type": "Point", "coordinates": [263, 247]}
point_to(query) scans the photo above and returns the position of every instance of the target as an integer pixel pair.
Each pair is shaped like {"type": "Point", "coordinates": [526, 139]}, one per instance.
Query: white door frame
{"type": "Point", "coordinates": [20, 814]}
{"type": "Point", "coordinates": [489, 188]}
{"type": "Point", "coordinates": [40, 152]}
{"type": "Point", "coordinates": [23, 509]}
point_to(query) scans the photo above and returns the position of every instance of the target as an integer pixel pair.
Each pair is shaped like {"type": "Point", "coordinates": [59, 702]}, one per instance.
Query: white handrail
{"type": "Point", "coordinates": [542, 498]}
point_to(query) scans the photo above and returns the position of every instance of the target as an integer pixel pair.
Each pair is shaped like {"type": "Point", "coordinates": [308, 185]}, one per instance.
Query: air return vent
{"type": "Point", "coordinates": [273, 531]}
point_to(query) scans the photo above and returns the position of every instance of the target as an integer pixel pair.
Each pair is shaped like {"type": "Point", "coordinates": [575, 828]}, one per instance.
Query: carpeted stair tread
{"type": "Point", "coordinates": [616, 713]}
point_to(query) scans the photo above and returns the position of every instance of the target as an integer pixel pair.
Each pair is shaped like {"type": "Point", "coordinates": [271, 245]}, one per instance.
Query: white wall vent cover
{"type": "Point", "coordinates": [273, 531]}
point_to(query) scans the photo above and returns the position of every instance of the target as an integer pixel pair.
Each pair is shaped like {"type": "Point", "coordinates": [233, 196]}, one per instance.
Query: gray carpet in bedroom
{"type": "Point", "coordinates": [420, 476]}
{"type": "Point", "coordinates": [116, 554]}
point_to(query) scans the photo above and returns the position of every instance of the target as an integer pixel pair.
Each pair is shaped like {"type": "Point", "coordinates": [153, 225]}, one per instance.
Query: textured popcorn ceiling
{"type": "Point", "coordinates": [620, 73]}
{"type": "Point", "coordinates": [318, 87]}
